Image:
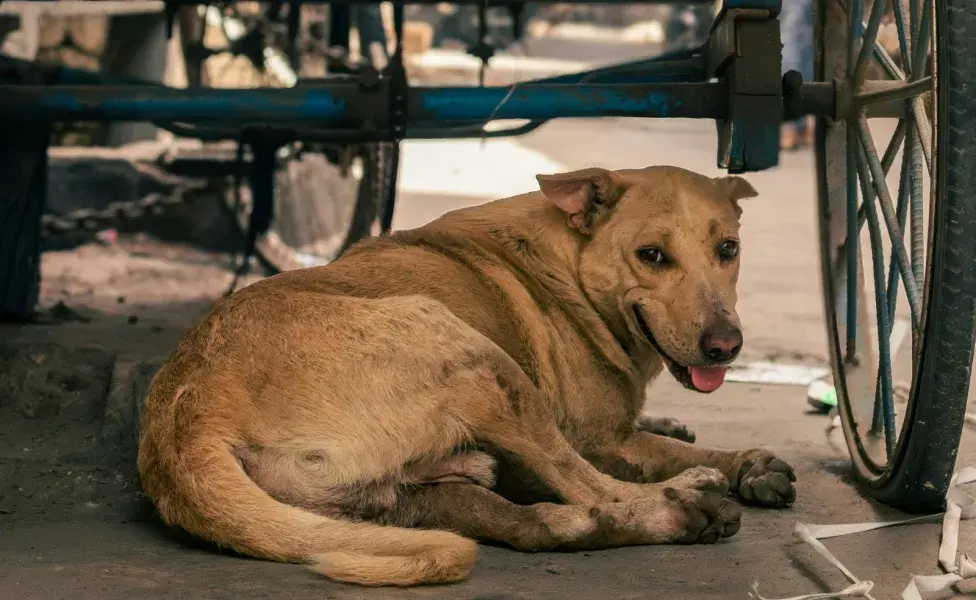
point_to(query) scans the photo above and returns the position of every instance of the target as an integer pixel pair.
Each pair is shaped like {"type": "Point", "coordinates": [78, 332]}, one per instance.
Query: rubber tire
{"type": "Point", "coordinates": [918, 475]}
{"type": "Point", "coordinates": [23, 171]}
{"type": "Point", "coordinates": [372, 190]}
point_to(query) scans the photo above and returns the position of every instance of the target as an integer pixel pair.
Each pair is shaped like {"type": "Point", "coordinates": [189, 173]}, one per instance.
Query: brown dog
{"type": "Point", "coordinates": [318, 415]}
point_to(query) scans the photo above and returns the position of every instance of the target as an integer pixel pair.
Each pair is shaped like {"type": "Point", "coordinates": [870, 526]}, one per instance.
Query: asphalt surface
{"type": "Point", "coordinates": [108, 546]}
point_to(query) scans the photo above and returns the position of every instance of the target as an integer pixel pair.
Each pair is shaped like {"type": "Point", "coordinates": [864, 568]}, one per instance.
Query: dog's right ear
{"type": "Point", "coordinates": [584, 195]}
{"type": "Point", "coordinates": [735, 188]}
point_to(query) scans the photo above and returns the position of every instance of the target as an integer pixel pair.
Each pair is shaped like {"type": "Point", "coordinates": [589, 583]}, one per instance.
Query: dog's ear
{"type": "Point", "coordinates": [583, 195]}
{"type": "Point", "coordinates": [735, 188]}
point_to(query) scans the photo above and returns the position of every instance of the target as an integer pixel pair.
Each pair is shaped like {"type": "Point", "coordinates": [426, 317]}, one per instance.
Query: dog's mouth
{"type": "Point", "coordinates": [699, 379]}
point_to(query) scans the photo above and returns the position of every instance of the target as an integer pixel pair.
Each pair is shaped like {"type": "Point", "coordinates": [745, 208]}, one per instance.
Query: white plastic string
{"type": "Point", "coordinates": [960, 506]}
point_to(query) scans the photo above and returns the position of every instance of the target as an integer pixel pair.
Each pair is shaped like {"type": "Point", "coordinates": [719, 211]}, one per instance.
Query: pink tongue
{"type": "Point", "coordinates": [707, 379]}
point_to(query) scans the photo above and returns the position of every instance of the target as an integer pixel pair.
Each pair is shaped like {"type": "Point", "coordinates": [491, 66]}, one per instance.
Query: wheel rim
{"type": "Point", "coordinates": [882, 285]}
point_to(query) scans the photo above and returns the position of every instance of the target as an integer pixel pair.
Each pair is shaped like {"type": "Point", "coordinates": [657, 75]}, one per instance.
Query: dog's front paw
{"type": "Point", "coordinates": [764, 480]}
{"type": "Point", "coordinates": [706, 517]}
{"type": "Point", "coordinates": [668, 427]}
{"type": "Point", "coordinates": [704, 479]}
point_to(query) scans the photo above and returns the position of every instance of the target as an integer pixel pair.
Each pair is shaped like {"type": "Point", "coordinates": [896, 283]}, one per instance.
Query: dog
{"type": "Point", "coordinates": [479, 378]}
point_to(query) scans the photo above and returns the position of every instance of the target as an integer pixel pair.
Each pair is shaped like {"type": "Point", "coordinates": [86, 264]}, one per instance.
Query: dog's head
{"type": "Point", "coordinates": [660, 260]}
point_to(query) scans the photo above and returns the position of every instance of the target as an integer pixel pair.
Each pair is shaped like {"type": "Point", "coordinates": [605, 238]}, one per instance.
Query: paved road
{"type": "Point", "coordinates": [111, 552]}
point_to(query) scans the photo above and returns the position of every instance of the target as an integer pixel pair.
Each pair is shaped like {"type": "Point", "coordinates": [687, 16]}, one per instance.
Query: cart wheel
{"type": "Point", "coordinates": [23, 171]}
{"type": "Point", "coordinates": [900, 312]}
{"type": "Point", "coordinates": [320, 213]}
{"type": "Point", "coordinates": [320, 210]}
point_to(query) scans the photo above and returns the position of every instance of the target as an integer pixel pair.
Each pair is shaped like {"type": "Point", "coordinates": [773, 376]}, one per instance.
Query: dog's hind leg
{"type": "Point", "coordinates": [679, 515]}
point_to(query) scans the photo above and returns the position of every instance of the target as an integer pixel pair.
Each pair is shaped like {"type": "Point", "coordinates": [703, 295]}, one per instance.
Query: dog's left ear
{"type": "Point", "coordinates": [584, 195]}
{"type": "Point", "coordinates": [735, 188]}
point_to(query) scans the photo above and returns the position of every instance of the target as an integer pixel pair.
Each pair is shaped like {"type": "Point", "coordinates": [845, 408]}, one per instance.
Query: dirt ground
{"type": "Point", "coordinates": [73, 523]}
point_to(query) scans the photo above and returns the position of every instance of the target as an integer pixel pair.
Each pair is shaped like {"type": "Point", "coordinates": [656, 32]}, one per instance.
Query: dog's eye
{"type": "Point", "coordinates": [728, 249]}
{"type": "Point", "coordinates": [652, 256]}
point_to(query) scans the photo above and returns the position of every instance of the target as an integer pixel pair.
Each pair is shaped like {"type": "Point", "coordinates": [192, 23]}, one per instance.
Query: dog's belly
{"type": "Point", "coordinates": [300, 479]}
{"type": "Point", "coordinates": [338, 391]}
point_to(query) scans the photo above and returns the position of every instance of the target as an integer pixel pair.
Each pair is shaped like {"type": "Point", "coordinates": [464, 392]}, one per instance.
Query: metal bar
{"type": "Point", "coordinates": [687, 100]}
{"type": "Point", "coordinates": [856, 217]}
{"type": "Point", "coordinates": [904, 27]}
{"type": "Point", "coordinates": [918, 153]}
{"type": "Point", "coordinates": [888, 63]}
{"type": "Point", "coordinates": [924, 130]}
{"type": "Point", "coordinates": [920, 51]}
{"type": "Point", "coordinates": [324, 104]}
{"type": "Point", "coordinates": [884, 349]}
{"type": "Point", "coordinates": [898, 91]}
{"type": "Point", "coordinates": [852, 245]}
{"type": "Point", "coordinates": [921, 119]}
{"type": "Point", "coordinates": [855, 27]}
{"type": "Point", "coordinates": [884, 196]}
{"type": "Point", "coordinates": [901, 210]}
{"type": "Point", "coordinates": [901, 214]}
{"type": "Point", "coordinates": [917, 232]}
{"type": "Point", "coordinates": [892, 150]}
{"type": "Point", "coordinates": [914, 15]}
{"type": "Point", "coordinates": [870, 37]}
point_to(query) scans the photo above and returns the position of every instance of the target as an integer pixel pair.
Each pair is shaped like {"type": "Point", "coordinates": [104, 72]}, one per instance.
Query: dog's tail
{"type": "Point", "coordinates": [217, 501]}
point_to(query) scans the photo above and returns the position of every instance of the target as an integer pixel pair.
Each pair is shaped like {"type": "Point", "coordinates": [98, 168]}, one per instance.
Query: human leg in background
{"type": "Point", "coordinates": [796, 27]}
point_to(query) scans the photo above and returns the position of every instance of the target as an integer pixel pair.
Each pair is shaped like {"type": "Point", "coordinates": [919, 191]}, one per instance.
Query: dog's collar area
{"type": "Point", "coordinates": [677, 370]}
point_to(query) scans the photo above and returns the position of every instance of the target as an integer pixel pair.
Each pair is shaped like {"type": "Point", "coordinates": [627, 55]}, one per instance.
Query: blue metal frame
{"type": "Point", "coordinates": [661, 87]}
{"type": "Point", "coordinates": [691, 84]}
{"type": "Point", "coordinates": [332, 105]}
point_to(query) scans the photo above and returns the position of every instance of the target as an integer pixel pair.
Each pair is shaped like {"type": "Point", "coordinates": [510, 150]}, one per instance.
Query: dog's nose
{"type": "Point", "coordinates": [723, 345]}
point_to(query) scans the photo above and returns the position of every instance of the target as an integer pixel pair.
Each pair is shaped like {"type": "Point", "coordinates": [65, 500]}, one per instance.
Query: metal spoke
{"type": "Point", "coordinates": [892, 150]}
{"type": "Point", "coordinates": [924, 130]}
{"type": "Point", "coordinates": [901, 213]}
{"type": "Point", "coordinates": [914, 65]}
{"type": "Point", "coordinates": [892, 289]}
{"type": "Point", "coordinates": [884, 196]}
{"type": "Point", "coordinates": [870, 38]}
{"type": "Point", "coordinates": [904, 27]}
{"type": "Point", "coordinates": [895, 72]}
{"type": "Point", "coordinates": [888, 63]}
{"type": "Point", "coordinates": [896, 92]}
{"type": "Point", "coordinates": [852, 246]}
{"type": "Point", "coordinates": [922, 38]}
{"type": "Point", "coordinates": [917, 232]}
{"type": "Point", "coordinates": [855, 27]}
{"type": "Point", "coordinates": [919, 144]}
{"type": "Point", "coordinates": [886, 161]}
{"type": "Point", "coordinates": [854, 227]}
{"type": "Point", "coordinates": [906, 91]}
{"type": "Point", "coordinates": [887, 412]}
